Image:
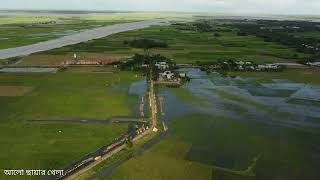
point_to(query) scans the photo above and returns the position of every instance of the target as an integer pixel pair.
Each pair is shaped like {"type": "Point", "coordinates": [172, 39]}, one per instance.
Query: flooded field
{"type": "Point", "coordinates": [244, 127]}
{"type": "Point", "coordinates": [29, 70]}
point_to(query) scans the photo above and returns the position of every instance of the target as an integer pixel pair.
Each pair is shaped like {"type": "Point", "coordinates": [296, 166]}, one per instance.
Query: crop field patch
{"type": "Point", "coordinates": [14, 90]}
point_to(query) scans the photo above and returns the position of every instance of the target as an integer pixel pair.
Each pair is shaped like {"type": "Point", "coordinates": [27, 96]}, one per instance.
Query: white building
{"type": "Point", "coordinates": [316, 64]}
{"type": "Point", "coordinates": [268, 66]}
{"type": "Point", "coordinates": [162, 65]}
{"type": "Point", "coordinates": [183, 74]}
{"type": "Point", "coordinates": [167, 74]}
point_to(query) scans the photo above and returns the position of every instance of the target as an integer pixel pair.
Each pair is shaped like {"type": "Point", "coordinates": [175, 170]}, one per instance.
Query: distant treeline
{"type": "Point", "coordinates": [281, 32]}
{"type": "Point", "coordinates": [146, 43]}
{"type": "Point", "coordinates": [202, 26]}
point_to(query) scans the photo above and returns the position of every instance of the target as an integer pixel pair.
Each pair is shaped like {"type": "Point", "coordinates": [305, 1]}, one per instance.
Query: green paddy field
{"type": "Point", "coordinates": [188, 46]}
{"type": "Point", "coordinates": [21, 31]}
{"type": "Point", "coordinates": [183, 46]}
{"type": "Point", "coordinates": [81, 94]}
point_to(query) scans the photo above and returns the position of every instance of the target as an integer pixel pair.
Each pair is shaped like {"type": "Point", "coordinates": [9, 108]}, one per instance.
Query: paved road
{"type": "Point", "coordinates": [77, 38]}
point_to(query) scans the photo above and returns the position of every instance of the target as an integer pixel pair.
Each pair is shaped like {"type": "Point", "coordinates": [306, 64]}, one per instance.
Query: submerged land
{"type": "Point", "coordinates": [240, 100]}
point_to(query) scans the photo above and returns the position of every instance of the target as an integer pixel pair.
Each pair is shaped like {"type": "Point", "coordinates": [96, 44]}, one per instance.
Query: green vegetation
{"type": "Point", "coordinates": [205, 147]}
{"type": "Point", "coordinates": [246, 148]}
{"type": "Point", "coordinates": [29, 145]}
{"type": "Point", "coordinates": [123, 155]}
{"type": "Point", "coordinates": [20, 31]}
{"type": "Point", "coordinates": [188, 46]}
{"type": "Point", "coordinates": [165, 160]}
{"type": "Point", "coordinates": [68, 95]}
{"type": "Point", "coordinates": [146, 44]}
{"type": "Point", "coordinates": [283, 32]}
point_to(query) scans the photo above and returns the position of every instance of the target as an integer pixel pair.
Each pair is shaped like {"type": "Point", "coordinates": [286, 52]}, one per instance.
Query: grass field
{"type": "Point", "coordinates": [14, 90]}
{"type": "Point", "coordinates": [20, 31]}
{"type": "Point", "coordinates": [68, 95]}
{"type": "Point", "coordinates": [314, 34]}
{"type": "Point", "coordinates": [189, 46]}
{"type": "Point", "coordinates": [164, 161]}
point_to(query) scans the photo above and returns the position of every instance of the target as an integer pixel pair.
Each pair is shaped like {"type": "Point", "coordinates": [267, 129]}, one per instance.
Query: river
{"type": "Point", "coordinates": [78, 38]}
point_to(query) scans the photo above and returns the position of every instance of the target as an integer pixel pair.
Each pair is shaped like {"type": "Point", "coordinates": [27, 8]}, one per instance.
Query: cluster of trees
{"type": "Point", "coordinates": [232, 65]}
{"type": "Point", "coordinates": [202, 26]}
{"type": "Point", "coordinates": [279, 31]}
{"type": "Point", "coordinates": [146, 43]}
{"type": "Point", "coordinates": [141, 62]}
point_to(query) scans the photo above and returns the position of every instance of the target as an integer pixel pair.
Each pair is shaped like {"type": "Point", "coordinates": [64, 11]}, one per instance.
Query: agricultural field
{"type": "Point", "coordinates": [244, 128]}
{"type": "Point", "coordinates": [21, 31]}
{"type": "Point", "coordinates": [189, 46]}
{"type": "Point", "coordinates": [314, 34]}
{"type": "Point", "coordinates": [30, 100]}
{"type": "Point", "coordinates": [222, 126]}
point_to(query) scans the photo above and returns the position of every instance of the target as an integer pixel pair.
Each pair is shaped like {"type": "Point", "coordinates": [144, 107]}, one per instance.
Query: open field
{"type": "Point", "coordinates": [67, 95]}
{"type": "Point", "coordinates": [239, 126]}
{"type": "Point", "coordinates": [76, 38]}
{"type": "Point", "coordinates": [21, 31]}
{"type": "Point", "coordinates": [234, 136]}
{"type": "Point", "coordinates": [164, 161]}
{"type": "Point", "coordinates": [313, 34]}
{"type": "Point", "coordinates": [189, 46]}
{"type": "Point", "coordinates": [14, 90]}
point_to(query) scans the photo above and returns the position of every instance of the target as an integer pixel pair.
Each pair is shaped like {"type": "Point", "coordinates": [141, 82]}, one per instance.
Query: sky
{"type": "Point", "coordinates": [310, 7]}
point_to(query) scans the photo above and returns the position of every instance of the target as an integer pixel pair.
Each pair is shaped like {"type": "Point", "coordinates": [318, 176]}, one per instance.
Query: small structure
{"type": "Point", "coordinates": [314, 64]}
{"type": "Point", "coordinates": [162, 65]}
{"type": "Point", "coordinates": [167, 74]}
{"type": "Point", "coordinates": [183, 74]}
{"type": "Point", "coordinates": [144, 65]}
{"type": "Point", "coordinates": [267, 67]}
{"type": "Point", "coordinates": [155, 129]}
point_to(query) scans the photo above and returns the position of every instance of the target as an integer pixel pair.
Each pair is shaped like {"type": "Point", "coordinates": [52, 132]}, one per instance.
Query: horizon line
{"type": "Point", "coordinates": [155, 11]}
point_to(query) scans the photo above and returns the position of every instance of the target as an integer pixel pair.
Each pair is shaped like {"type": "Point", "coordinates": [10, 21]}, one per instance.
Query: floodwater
{"type": "Point", "coordinates": [95, 122]}
{"type": "Point", "coordinates": [283, 136]}
{"type": "Point", "coordinates": [29, 70]}
{"type": "Point", "coordinates": [274, 95]}
{"type": "Point", "coordinates": [140, 89]}
{"type": "Point", "coordinates": [267, 124]}
{"type": "Point", "coordinates": [83, 36]}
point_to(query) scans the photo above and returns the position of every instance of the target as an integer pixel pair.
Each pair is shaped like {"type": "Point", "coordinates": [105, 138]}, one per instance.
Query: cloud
{"type": "Point", "coordinates": [228, 6]}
